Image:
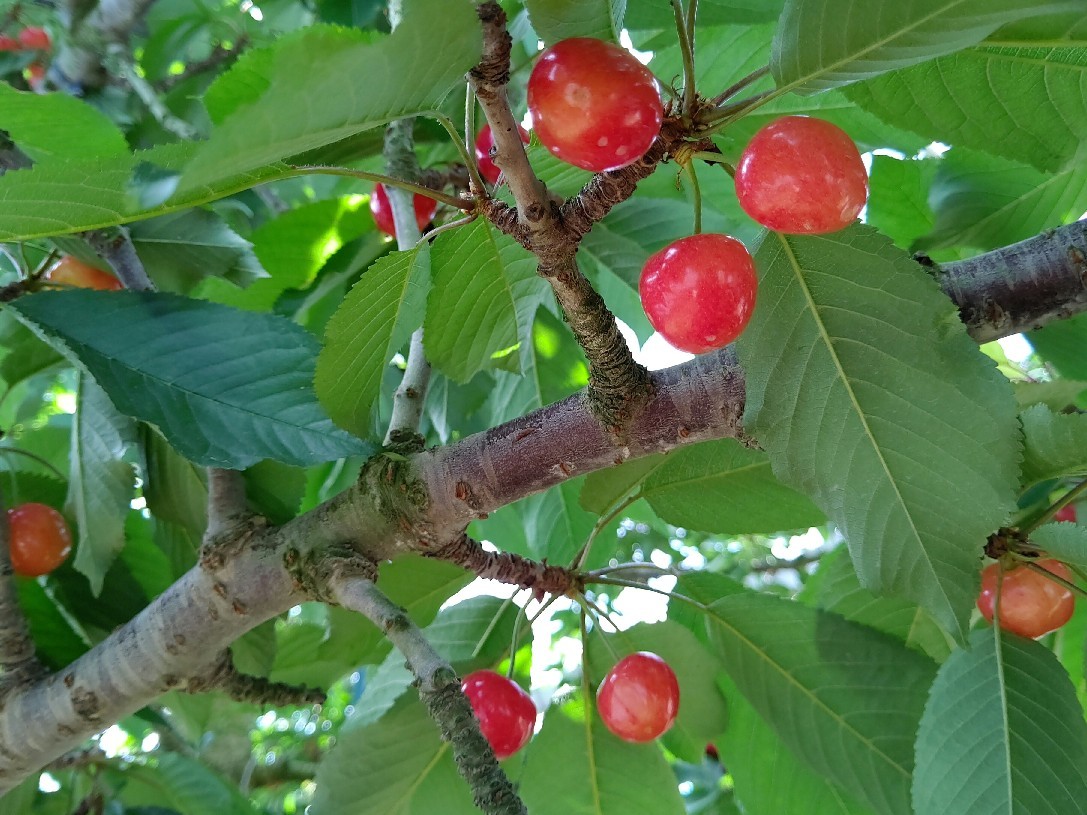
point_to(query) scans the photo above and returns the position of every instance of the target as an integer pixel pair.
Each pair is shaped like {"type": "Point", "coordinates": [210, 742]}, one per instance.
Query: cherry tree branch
{"type": "Point", "coordinates": [115, 246]}
{"type": "Point", "coordinates": [226, 501]}
{"type": "Point", "coordinates": [506, 567]}
{"type": "Point", "coordinates": [439, 690]}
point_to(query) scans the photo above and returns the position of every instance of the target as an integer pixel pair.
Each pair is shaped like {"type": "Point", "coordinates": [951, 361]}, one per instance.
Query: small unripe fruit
{"type": "Point", "coordinates": [39, 539]}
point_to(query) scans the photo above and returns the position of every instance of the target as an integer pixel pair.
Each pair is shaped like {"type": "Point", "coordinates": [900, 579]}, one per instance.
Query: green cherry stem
{"type": "Point", "coordinates": [1056, 507]}
{"type": "Point", "coordinates": [716, 120]}
{"type": "Point", "coordinates": [686, 48]}
{"type": "Point", "coordinates": [461, 145]}
{"type": "Point", "coordinates": [734, 89]}
{"type": "Point", "coordinates": [457, 224]}
{"type": "Point", "coordinates": [1034, 567]}
{"type": "Point", "coordinates": [696, 190]}
{"type": "Point", "coordinates": [378, 178]}
{"type": "Point", "coordinates": [633, 584]}
{"type": "Point", "coordinates": [583, 555]}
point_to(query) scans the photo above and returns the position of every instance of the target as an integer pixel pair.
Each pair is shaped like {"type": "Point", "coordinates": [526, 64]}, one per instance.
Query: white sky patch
{"type": "Point", "coordinates": [1016, 348]}
{"type": "Point", "coordinates": [113, 740]}
{"type": "Point", "coordinates": [625, 41]}
{"type": "Point", "coordinates": [657, 353]}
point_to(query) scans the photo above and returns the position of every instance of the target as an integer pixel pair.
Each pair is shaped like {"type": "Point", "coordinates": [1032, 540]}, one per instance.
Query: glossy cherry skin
{"type": "Point", "coordinates": [699, 291]}
{"type": "Point", "coordinates": [382, 210]}
{"type": "Point", "coordinates": [1066, 513]}
{"type": "Point", "coordinates": [593, 104]}
{"type": "Point", "coordinates": [40, 539]}
{"type": "Point", "coordinates": [506, 713]}
{"type": "Point", "coordinates": [1030, 603]}
{"type": "Point", "coordinates": [35, 38]}
{"type": "Point", "coordinates": [803, 176]}
{"type": "Point", "coordinates": [639, 698]}
{"type": "Point", "coordinates": [484, 144]}
{"type": "Point", "coordinates": [72, 272]}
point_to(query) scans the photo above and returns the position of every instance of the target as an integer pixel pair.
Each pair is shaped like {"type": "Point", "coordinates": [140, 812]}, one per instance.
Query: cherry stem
{"type": "Point", "coordinates": [1056, 507]}
{"type": "Point", "coordinates": [633, 584]}
{"type": "Point", "coordinates": [723, 116]}
{"type": "Point", "coordinates": [686, 47]}
{"type": "Point", "coordinates": [461, 144]}
{"type": "Point", "coordinates": [1034, 567]}
{"type": "Point", "coordinates": [378, 178]}
{"type": "Point", "coordinates": [34, 457]}
{"type": "Point", "coordinates": [696, 190]}
{"type": "Point", "coordinates": [583, 555]}
{"type": "Point", "coordinates": [734, 89]}
{"type": "Point", "coordinates": [631, 566]}
{"type": "Point", "coordinates": [457, 224]}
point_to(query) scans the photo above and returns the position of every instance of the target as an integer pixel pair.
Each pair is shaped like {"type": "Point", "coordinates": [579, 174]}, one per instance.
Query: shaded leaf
{"type": "Point", "coordinates": [1054, 444]}
{"type": "Point", "coordinates": [556, 20]}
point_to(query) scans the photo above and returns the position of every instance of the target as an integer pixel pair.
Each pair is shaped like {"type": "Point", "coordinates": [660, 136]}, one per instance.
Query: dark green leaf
{"type": "Point", "coordinates": [1061, 344]}
{"type": "Point", "coordinates": [1054, 444]}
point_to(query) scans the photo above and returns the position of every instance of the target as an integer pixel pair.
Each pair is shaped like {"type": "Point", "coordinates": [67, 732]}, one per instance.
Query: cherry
{"type": "Point", "coordinates": [699, 291]}
{"type": "Point", "coordinates": [484, 144]}
{"type": "Point", "coordinates": [1030, 603]}
{"type": "Point", "coordinates": [639, 698]}
{"type": "Point", "coordinates": [1066, 513]}
{"type": "Point", "coordinates": [39, 539]}
{"type": "Point", "coordinates": [803, 176]}
{"type": "Point", "coordinates": [506, 713]}
{"type": "Point", "coordinates": [382, 210]}
{"type": "Point", "coordinates": [35, 38]}
{"type": "Point", "coordinates": [593, 104]}
{"type": "Point", "coordinates": [36, 77]}
{"type": "Point", "coordinates": [72, 272]}
{"type": "Point", "coordinates": [9, 43]}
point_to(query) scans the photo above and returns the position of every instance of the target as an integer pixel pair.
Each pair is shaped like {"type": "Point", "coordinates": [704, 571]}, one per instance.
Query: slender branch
{"type": "Point", "coordinates": [115, 246]}
{"type": "Point", "coordinates": [439, 690]}
{"type": "Point", "coordinates": [390, 183]}
{"type": "Point", "coordinates": [226, 501]}
{"type": "Point", "coordinates": [255, 689]}
{"type": "Point", "coordinates": [142, 88]}
{"type": "Point", "coordinates": [1056, 507]}
{"type": "Point", "coordinates": [18, 660]}
{"type": "Point", "coordinates": [79, 60]}
{"type": "Point", "coordinates": [220, 56]}
{"type": "Point", "coordinates": [507, 567]}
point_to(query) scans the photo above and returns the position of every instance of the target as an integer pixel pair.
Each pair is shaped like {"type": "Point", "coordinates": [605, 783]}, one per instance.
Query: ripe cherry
{"type": "Point", "coordinates": [639, 698]}
{"type": "Point", "coordinates": [699, 291]}
{"type": "Point", "coordinates": [506, 713]}
{"type": "Point", "coordinates": [484, 143]}
{"type": "Point", "coordinates": [9, 43]}
{"type": "Point", "coordinates": [1030, 603]}
{"type": "Point", "coordinates": [593, 104]}
{"type": "Point", "coordinates": [1066, 513]}
{"type": "Point", "coordinates": [40, 540]}
{"type": "Point", "coordinates": [803, 176]}
{"type": "Point", "coordinates": [35, 38]}
{"type": "Point", "coordinates": [382, 210]}
{"type": "Point", "coordinates": [70, 271]}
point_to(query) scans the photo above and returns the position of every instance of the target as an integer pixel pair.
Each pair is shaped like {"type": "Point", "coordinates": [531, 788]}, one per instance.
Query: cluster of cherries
{"type": "Point", "coordinates": [638, 701]}
{"type": "Point", "coordinates": [31, 38]}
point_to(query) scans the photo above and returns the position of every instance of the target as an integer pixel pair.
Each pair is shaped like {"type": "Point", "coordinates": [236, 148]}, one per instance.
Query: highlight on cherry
{"type": "Point", "coordinates": [1031, 604]}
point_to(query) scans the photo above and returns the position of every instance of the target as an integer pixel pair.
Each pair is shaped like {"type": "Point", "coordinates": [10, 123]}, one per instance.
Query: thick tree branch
{"type": "Point", "coordinates": [439, 690]}
{"type": "Point", "coordinates": [226, 501]}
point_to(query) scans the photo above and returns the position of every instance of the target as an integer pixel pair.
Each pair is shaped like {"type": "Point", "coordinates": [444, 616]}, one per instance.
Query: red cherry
{"type": "Point", "coordinates": [9, 43]}
{"type": "Point", "coordinates": [506, 713]}
{"type": "Point", "coordinates": [36, 77]}
{"type": "Point", "coordinates": [639, 698]}
{"type": "Point", "coordinates": [35, 38]}
{"type": "Point", "coordinates": [593, 104]}
{"type": "Point", "coordinates": [40, 540]}
{"type": "Point", "coordinates": [1066, 513]}
{"type": "Point", "coordinates": [1030, 603]}
{"type": "Point", "coordinates": [382, 210]}
{"type": "Point", "coordinates": [699, 291]}
{"type": "Point", "coordinates": [484, 145]}
{"type": "Point", "coordinates": [72, 272]}
{"type": "Point", "coordinates": [803, 176]}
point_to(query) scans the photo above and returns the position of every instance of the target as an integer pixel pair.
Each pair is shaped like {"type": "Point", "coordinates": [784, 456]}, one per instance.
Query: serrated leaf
{"type": "Point", "coordinates": [1003, 715]}
{"type": "Point", "coordinates": [374, 321]}
{"type": "Point", "coordinates": [175, 488]}
{"type": "Point", "coordinates": [821, 44]}
{"type": "Point", "coordinates": [1061, 344]}
{"type": "Point", "coordinates": [556, 20]}
{"type": "Point", "coordinates": [1057, 394]}
{"type": "Point", "coordinates": [58, 126]}
{"type": "Point", "coordinates": [483, 295]}
{"type": "Point", "coordinates": [898, 198]}
{"type": "Point", "coordinates": [100, 480]}
{"type": "Point", "coordinates": [845, 698]}
{"type": "Point", "coordinates": [326, 108]}
{"type": "Point", "coordinates": [185, 784]}
{"type": "Point", "coordinates": [56, 641]}
{"type": "Point", "coordinates": [227, 388]}
{"type": "Point", "coordinates": [597, 773]}
{"type": "Point", "coordinates": [1054, 444]}
{"type": "Point", "coordinates": [649, 14]}
{"type": "Point", "coordinates": [848, 331]}
{"type": "Point", "coordinates": [976, 99]}
{"type": "Point", "coordinates": [1067, 542]}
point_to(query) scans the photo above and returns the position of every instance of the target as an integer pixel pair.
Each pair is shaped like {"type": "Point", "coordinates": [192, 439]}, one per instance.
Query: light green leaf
{"type": "Point", "coordinates": [868, 396]}
{"type": "Point", "coordinates": [227, 388]}
{"type": "Point", "coordinates": [55, 639]}
{"type": "Point", "coordinates": [898, 198]}
{"type": "Point", "coordinates": [1004, 717]}
{"type": "Point", "coordinates": [845, 698]}
{"type": "Point", "coordinates": [597, 773]}
{"type": "Point", "coordinates": [1056, 394]}
{"type": "Point", "coordinates": [175, 488]}
{"type": "Point", "coordinates": [976, 99]}
{"type": "Point", "coordinates": [1054, 445]}
{"type": "Point", "coordinates": [100, 480]}
{"type": "Point", "coordinates": [374, 321]}
{"type": "Point", "coordinates": [184, 784]}
{"type": "Point", "coordinates": [556, 20]}
{"type": "Point", "coordinates": [823, 44]}
{"type": "Point", "coordinates": [335, 83]}
{"type": "Point", "coordinates": [484, 293]}
{"type": "Point", "coordinates": [1061, 344]}
{"type": "Point", "coordinates": [650, 14]}
{"type": "Point", "coordinates": [55, 126]}
{"type": "Point", "coordinates": [1067, 542]}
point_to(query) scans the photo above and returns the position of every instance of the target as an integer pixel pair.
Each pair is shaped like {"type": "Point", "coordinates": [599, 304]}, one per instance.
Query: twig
{"type": "Point", "coordinates": [115, 246]}
{"type": "Point", "coordinates": [256, 689]}
{"type": "Point", "coordinates": [226, 500]}
{"type": "Point", "coordinates": [514, 570]}
{"type": "Point", "coordinates": [17, 657]}
{"type": "Point", "coordinates": [1056, 507]}
{"type": "Point", "coordinates": [686, 49]}
{"type": "Point", "coordinates": [439, 690]}
{"type": "Point", "coordinates": [142, 88]}
{"type": "Point", "coordinates": [218, 57]}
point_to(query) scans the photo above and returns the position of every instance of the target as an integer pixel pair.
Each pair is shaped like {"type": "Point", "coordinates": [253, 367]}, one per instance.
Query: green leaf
{"type": "Point", "coordinates": [650, 14]}
{"type": "Point", "coordinates": [1054, 444]}
{"type": "Point", "coordinates": [769, 778]}
{"type": "Point", "coordinates": [336, 83]}
{"type": "Point", "coordinates": [184, 784]}
{"type": "Point", "coordinates": [1004, 716]}
{"type": "Point", "coordinates": [483, 296]}
{"type": "Point", "coordinates": [821, 44]}
{"type": "Point", "coordinates": [1061, 344]}
{"type": "Point", "coordinates": [58, 126]}
{"type": "Point", "coordinates": [23, 353]}
{"type": "Point", "coordinates": [57, 642]}
{"type": "Point", "coordinates": [847, 335]}
{"type": "Point", "coordinates": [227, 388]}
{"type": "Point", "coordinates": [597, 773]}
{"type": "Point", "coordinates": [175, 488]}
{"type": "Point", "coordinates": [976, 99]}
{"type": "Point", "coordinates": [835, 587]}
{"type": "Point", "coordinates": [898, 198]}
{"type": "Point", "coordinates": [1067, 542]}
{"type": "Point", "coordinates": [100, 480]}
{"type": "Point", "coordinates": [845, 698]}
{"type": "Point", "coordinates": [374, 321]}
{"type": "Point", "coordinates": [1057, 394]}
{"type": "Point", "coordinates": [556, 20]}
